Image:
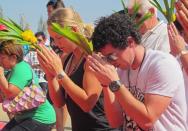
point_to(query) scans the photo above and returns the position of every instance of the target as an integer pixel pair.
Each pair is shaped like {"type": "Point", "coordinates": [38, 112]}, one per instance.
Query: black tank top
{"type": "Point", "coordinates": [94, 120]}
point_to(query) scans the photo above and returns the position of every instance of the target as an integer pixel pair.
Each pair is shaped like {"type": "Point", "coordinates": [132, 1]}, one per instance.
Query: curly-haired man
{"type": "Point", "coordinates": [152, 94]}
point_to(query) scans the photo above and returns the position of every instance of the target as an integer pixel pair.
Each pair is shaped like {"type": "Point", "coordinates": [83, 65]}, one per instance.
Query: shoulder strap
{"type": "Point", "coordinates": [8, 74]}
{"type": "Point", "coordinates": [32, 80]}
{"type": "Point", "coordinates": [67, 62]}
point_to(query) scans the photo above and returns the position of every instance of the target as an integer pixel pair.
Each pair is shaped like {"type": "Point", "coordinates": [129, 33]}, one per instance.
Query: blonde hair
{"type": "Point", "coordinates": [145, 5]}
{"type": "Point", "coordinates": [69, 17]}
{"type": "Point", "coordinates": [11, 47]}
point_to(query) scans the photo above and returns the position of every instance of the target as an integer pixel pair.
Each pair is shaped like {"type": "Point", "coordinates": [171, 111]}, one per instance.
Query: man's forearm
{"type": "Point", "coordinates": [135, 109]}
{"type": "Point", "coordinates": [112, 108]}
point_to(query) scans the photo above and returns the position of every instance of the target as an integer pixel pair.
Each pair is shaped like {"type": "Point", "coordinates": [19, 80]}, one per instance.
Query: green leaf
{"type": "Point", "coordinates": [19, 40]}
{"type": "Point", "coordinates": [75, 37]}
{"type": "Point", "coordinates": [31, 45]}
{"type": "Point", "coordinates": [8, 38]}
{"type": "Point", "coordinates": [145, 17]}
{"type": "Point", "coordinates": [9, 33]}
{"type": "Point", "coordinates": [13, 32]}
{"type": "Point", "coordinates": [114, 11]}
{"type": "Point", "coordinates": [167, 10]}
{"type": "Point", "coordinates": [85, 44]}
{"type": "Point", "coordinates": [157, 5]}
{"type": "Point", "coordinates": [4, 33]}
{"type": "Point", "coordinates": [136, 8]}
{"type": "Point", "coordinates": [124, 7]}
{"type": "Point", "coordinates": [66, 31]}
{"type": "Point", "coordinates": [10, 25]}
{"type": "Point", "coordinates": [172, 5]}
{"type": "Point", "coordinates": [16, 25]}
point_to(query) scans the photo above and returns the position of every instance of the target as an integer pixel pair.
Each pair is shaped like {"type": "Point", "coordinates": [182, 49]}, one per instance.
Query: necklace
{"type": "Point", "coordinates": [129, 82]}
{"type": "Point", "coordinates": [70, 68]}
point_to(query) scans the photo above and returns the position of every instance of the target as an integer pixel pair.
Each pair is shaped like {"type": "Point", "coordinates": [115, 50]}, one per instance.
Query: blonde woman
{"type": "Point", "coordinates": [80, 89]}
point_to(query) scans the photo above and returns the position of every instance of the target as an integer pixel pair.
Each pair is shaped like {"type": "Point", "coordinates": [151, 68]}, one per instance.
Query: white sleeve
{"type": "Point", "coordinates": [164, 78]}
{"type": "Point", "coordinates": [164, 42]}
{"type": "Point", "coordinates": [26, 57]}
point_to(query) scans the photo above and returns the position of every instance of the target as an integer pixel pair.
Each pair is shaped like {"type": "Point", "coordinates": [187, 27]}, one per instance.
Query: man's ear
{"type": "Point", "coordinates": [130, 41]}
{"type": "Point", "coordinates": [74, 28]}
{"type": "Point", "coordinates": [152, 10]}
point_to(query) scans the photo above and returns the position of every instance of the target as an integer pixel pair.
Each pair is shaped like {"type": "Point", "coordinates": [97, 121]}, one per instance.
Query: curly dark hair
{"type": "Point", "coordinates": [115, 30]}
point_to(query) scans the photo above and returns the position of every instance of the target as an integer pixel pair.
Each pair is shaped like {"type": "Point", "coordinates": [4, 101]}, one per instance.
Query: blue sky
{"type": "Point", "coordinates": [90, 10]}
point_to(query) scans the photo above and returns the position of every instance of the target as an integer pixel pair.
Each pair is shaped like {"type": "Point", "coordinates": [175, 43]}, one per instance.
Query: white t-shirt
{"type": "Point", "coordinates": [47, 43]}
{"type": "Point", "coordinates": [159, 74]}
{"type": "Point", "coordinates": [185, 75]}
{"type": "Point", "coordinates": [186, 89]}
{"type": "Point", "coordinates": [157, 38]}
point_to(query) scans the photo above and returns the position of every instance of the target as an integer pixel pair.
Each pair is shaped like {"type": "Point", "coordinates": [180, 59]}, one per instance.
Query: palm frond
{"type": "Point", "coordinates": [172, 6]}
{"type": "Point", "coordinates": [75, 37]}
{"type": "Point", "coordinates": [10, 36]}
{"type": "Point", "coordinates": [9, 25]}
{"type": "Point", "coordinates": [16, 25]}
{"type": "Point", "coordinates": [156, 4]}
{"type": "Point", "coordinates": [124, 7]}
{"type": "Point", "coordinates": [14, 32]}
{"type": "Point", "coordinates": [168, 12]}
{"type": "Point", "coordinates": [136, 8]}
{"type": "Point", "coordinates": [167, 9]}
{"type": "Point", "coordinates": [114, 11]}
{"type": "Point", "coordinates": [9, 32]}
{"type": "Point", "coordinates": [145, 17]}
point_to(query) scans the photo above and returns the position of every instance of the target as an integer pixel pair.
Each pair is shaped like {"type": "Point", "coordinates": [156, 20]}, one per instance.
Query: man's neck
{"type": "Point", "coordinates": [139, 56]}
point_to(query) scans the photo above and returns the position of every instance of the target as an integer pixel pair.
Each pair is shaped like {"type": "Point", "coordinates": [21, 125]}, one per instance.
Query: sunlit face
{"type": "Point", "coordinates": [40, 40]}
{"type": "Point", "coordinates": [50, 8]}
{"type": "Point", "coordinates": [7, 62]}
{"type": "Point", "coordinates": [120, 58]}
{"type": "Point", "coordinates": [61, 42]}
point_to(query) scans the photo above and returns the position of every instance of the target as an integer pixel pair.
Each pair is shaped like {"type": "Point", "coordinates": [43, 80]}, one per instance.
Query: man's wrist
{"type": "Point", "coordinates": [115, 85]}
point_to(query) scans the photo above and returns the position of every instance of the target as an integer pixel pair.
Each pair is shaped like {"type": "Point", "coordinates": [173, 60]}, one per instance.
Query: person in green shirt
{"type": "Point", "coordinates": [20, 76]}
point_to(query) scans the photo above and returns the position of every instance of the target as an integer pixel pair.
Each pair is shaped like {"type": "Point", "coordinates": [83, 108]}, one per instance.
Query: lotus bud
{"type": "Point", "coordinates": [2, 27]}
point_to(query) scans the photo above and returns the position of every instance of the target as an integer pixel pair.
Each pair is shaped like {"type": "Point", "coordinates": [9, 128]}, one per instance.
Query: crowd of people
{"type": "Point", "coordinates": [136, 79]}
